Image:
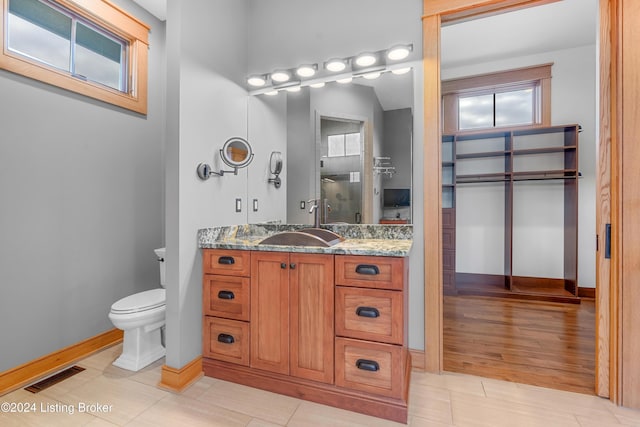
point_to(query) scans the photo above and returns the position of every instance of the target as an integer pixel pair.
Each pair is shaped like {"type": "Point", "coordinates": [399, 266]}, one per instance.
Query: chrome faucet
{"type": "Point", "coordinates": [321, 213]}
{"type": "Point", "coordinates": [316, 211]}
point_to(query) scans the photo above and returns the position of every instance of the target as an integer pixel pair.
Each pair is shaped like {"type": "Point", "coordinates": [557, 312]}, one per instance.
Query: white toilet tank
{"type": "Point", "coordinates": [160, 253]}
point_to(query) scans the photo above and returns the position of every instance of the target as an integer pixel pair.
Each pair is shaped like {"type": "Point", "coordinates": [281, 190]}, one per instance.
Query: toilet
{"type": "Point", "coordinates": [141, 316]}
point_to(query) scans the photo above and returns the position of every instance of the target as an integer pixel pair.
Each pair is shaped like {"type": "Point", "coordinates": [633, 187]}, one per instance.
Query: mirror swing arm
{"type": "Point", "coordinates": [235, 153]}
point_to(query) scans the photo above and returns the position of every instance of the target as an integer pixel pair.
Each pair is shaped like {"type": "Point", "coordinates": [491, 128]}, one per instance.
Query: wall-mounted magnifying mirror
{"type": "Point", "coordinates": [275, 167]}
{"type": "Point", "coordinates": [235, 153]}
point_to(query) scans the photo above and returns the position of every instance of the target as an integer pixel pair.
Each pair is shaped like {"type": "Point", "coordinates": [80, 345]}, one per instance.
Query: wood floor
{"type": "Point", "coordinates": [539, 343]}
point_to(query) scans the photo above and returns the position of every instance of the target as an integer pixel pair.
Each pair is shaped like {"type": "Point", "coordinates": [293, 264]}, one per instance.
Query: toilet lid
{"type": "Point", "coordinates": [142, 301]}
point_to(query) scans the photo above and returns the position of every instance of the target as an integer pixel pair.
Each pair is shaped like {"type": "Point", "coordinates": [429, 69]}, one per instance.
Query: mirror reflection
{"type": "Point", "coordinates": [236, 152]}
{"type": "Point", "coordinates": [348, 143]}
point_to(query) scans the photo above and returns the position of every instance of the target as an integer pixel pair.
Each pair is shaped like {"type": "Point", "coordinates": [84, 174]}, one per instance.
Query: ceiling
{"type": "Point", "coordinates": [560, 25]}
{"type": "Point", "coordinates": [555, 26]}
{"type": "Point", "coordinates": [157, 8]}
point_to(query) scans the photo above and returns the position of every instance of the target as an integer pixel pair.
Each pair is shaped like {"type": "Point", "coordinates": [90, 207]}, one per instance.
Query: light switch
{"type": "Point", "coordinates": [302, 204]}
{"type": "Point", "coordinates": [255, 205]}
{"type": "Point", "coordinates": [238, 205]}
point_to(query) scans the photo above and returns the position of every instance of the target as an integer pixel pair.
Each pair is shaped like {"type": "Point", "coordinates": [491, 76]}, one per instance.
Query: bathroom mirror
{"type": "Point", "coordinates": [333, 135]}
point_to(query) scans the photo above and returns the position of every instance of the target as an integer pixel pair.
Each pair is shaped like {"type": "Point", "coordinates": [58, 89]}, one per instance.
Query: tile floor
{"type": "Point", "coordinates": [131, 399]}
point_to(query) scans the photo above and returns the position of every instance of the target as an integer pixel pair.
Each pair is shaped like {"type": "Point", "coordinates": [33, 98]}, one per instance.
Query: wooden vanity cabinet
{"type": "Point", "coordinates": [371, 325]}
{"type": "Point", "coordinates": [225, 305]}
{"type": "Point", "coordinates": [327, 328]}
{"type": "Point", "coordinates": [292, 312]}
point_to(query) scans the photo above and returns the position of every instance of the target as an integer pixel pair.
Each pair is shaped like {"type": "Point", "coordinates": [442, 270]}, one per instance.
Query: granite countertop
{"type": "Point", "coordinates": [370, 239]}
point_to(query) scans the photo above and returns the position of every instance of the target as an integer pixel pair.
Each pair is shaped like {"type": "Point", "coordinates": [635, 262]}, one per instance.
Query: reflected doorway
{"type": "Point", "coordinates": [341, 168]}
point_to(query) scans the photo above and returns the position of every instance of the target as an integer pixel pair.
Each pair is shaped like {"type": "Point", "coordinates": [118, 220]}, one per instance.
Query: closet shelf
{"type": "Point", "coordinates": [545, 150]}
{"type": "Point", "coordinates": [480, 155]}
{"type": "Point", "coordinates": [542, 175]}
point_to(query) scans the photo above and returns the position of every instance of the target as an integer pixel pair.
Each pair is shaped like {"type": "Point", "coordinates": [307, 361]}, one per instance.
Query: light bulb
{"type": "Point", "coordinates": [256, 81]}
{"type": "Point", "coordinates": [317, 85]}
{"type": "Point", "coordinates": [398, 52]}
{"type": "Point", "coordinates": [401, 71]}
{"type": "Point", "coordinates": [371, 76]}
{"type": "Point", "coordinates": [280, 76]}
{"type": "Point", "coordinates": [366, 59]}
{"type": "Point", "coordinates": [335, 65]}
{"type": "Point", "coordinates": [293, 89]}
{"type": "Point", "coordinates": [306, 70]}
{"type": "Point", "coordinates": [345, 80]}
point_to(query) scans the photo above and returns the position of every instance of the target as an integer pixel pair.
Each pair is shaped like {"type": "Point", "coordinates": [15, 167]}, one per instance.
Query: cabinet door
{"type": "Point", "coordinates": [311, 316]}
{"type": "Point", "coordinates": [270, 311]}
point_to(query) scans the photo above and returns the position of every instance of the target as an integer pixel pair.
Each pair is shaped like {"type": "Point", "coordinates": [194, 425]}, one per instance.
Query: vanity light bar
{"type": "Point", "coordinates": [353, 66]}
{"type": "Point", "coordinates": [321, 81]}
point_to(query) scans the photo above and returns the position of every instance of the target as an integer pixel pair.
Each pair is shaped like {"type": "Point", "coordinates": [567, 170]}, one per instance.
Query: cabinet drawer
{"type": "Point", "coordinates": [371, 367]}
{"type": "Point", "coordinates": [226, 262]}
{"type": "Point", "coordinates": [370, 314]}
{"type": "Point", "coordinates": [226, 340]}
{"type": "Point", "coordinates": [226, 296]}
{"type": "Point", "coordinates": [371, 271]}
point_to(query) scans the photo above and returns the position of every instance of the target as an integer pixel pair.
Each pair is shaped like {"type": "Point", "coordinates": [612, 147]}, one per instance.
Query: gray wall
{"type": "Point", "coordinates": [397, 141]}
{"type": "Point", "coordinates": [81, 184]}
{"type": "Point", "coordinates": [206, 105]}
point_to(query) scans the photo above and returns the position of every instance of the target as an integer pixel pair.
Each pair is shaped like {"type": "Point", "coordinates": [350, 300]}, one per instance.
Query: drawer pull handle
{"type": "Point", "coordinates": [283, 265]}
{"type": "Point", "coordinates": [367, 269]}
{"type": "Point", "coordinates": [226, 295]}
{"type": "Point", "coordinates": [226, 339]}
{"type": "Point", "coordinates": [226, 260]}
{"type": "Point", "coordinates": [367, 365]}
{"type": "Point", "coordinates": [367, 312]}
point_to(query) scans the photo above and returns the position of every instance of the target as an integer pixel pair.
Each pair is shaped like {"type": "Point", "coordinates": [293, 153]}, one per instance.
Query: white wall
{"type": "Point", "coordinates": [81, 184]}
{"type": "Point", "coordinates": [537, 251]}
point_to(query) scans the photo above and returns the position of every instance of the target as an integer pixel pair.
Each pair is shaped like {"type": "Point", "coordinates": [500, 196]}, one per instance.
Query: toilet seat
{"type": "Point", "coordinates": [142, 301]}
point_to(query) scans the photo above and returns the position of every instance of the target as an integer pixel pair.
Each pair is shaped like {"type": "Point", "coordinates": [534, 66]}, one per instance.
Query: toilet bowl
{"type": "Point", "coordinates": [141, 316]}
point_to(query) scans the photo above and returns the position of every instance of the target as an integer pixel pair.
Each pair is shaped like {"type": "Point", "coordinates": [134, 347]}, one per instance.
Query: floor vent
{"type": "Point", "coordinates": [54, 379]}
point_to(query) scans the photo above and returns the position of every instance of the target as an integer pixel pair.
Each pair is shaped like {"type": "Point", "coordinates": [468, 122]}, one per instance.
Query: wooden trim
{"type": "Point", "coordinates": [417, 359]}
{"type": "Point", "coordinates": [44, 366]}
{"type": "Point", "coordinates": [500, 78]}
{"type": "Point", "coordinates": [327, 394]}
{"type": "Point", "coordinates": [615, 368]}
{"type": "Point", "coordinates": [432, 188]}
{"type": "Point", "coordinates": [459, 10]}
{"type": "Point", "coordinates": [110, 17]}
{"type": "Point", "coordinates": [587, 293]}
{"type": "Point", "coordinates": [603, 211]}
{"type": "Point", "coordinates": [627, 224]}
{"type": "Point", "coordinates": [177, 380]}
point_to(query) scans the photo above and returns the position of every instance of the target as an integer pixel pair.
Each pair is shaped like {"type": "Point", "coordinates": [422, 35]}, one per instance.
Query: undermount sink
{"type": "Point", "coordinates": [305, 237]}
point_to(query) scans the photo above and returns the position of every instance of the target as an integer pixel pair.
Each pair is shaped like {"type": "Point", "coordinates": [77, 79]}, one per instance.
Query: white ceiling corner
{"type": "Point", "coordinates": [157, 8]}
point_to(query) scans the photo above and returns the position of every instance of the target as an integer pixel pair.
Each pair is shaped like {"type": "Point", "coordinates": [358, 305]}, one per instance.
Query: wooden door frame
{"type": "Point", "coordinates": [435, 13]}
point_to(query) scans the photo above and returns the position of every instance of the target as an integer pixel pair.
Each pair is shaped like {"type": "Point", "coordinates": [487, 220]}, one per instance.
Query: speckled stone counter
{"type": "Point", "coordinates": [370, 239]}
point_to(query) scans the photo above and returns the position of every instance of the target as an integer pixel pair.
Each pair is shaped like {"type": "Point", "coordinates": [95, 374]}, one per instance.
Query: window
{"type": "Point", "coordinates": [344, 144]}
{"type": "Point", "coordinates": [506, 99]}
{"type": "Point", "coordinates": [86, 46]}
{"type": "Point", "coordinates": [509, 107]}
